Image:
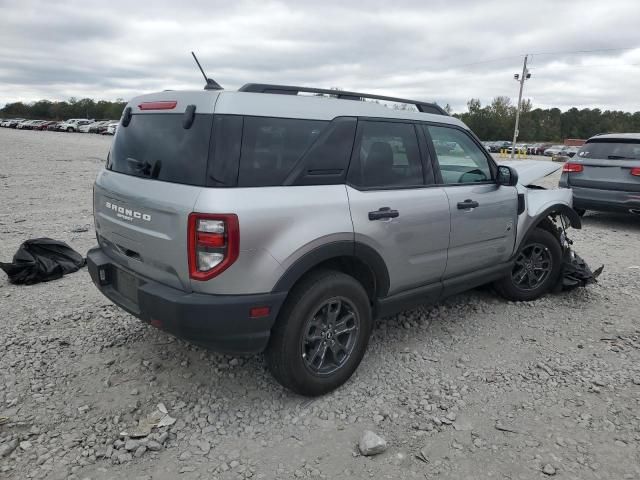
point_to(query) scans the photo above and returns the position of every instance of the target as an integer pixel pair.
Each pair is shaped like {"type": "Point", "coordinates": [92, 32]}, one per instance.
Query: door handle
{"type": "Point", "coordinates": [468, 203]}
{"type": "Point", "coordinates": [384, 212]}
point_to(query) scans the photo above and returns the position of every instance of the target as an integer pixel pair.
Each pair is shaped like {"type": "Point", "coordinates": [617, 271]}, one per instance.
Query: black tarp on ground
{"type": "Point", "coordinates": [41, 260]}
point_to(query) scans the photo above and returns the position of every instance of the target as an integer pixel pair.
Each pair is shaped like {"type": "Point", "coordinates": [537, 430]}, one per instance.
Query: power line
{"type": "Point", "coordinates": [598, 50]}
{"type": "Point", "coordinates": [483, 61]}
{"type": "Point", "coordinates": [603, 65]}
{"type": "Point", "coordinates": [567, 52]}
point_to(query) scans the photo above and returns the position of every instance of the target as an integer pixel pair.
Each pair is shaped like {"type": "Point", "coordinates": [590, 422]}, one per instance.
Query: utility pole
{"type": "Point", "coordinates": [521, 78]}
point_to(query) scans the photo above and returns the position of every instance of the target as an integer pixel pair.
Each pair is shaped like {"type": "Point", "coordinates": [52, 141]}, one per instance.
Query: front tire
{"type": "Point", "coordinates": [536, 270]}
{"type": "Point", "coordinates": [321, 333]}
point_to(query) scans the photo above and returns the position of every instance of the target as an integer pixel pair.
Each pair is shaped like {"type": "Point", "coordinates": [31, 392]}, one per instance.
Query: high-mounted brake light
{"type": "Point", "coordinates": [213, 244]}
{"type": "Point", "coordinates": [158, 105]}
{"type": "Point", "coordinates": [572, 167]}
{"type": "Point", "coordinates": [635, 171]}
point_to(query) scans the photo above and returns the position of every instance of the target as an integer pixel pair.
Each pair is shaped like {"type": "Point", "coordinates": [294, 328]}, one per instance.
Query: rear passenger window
{"type": "Point", "coordinates": [272, 146]}
{"type": "Point", "coordinates": [461, 160]}
{"type": "Point", "coordinates": [386, 155]}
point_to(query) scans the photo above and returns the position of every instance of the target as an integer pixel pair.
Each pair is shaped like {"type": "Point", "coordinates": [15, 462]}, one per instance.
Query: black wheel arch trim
{"type": "Point", "coordinates": [366, 254]}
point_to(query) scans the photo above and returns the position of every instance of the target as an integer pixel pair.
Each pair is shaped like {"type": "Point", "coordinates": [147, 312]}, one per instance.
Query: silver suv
{"type": "Point", "coordinates": [285, 219]}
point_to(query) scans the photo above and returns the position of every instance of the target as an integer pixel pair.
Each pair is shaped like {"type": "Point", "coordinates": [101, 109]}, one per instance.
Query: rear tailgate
{"type": "Point", "coordinates": [154, 175]}
{"type": "Point", "coordinates": [607, 165]}
{"type": "Point", "coordinates": [142, 224]}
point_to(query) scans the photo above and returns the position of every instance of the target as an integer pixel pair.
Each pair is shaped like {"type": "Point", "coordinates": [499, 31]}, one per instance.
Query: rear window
{"type": "Point", "coordinates": [272, 146]}
{"type": "Point", "coordinates": [611, 150]}
{"type": "Point", "coordinates": [157, 146]}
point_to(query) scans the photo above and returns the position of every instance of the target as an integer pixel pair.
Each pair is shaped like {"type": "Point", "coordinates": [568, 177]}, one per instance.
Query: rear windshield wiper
{"type": "Point", "coordinates": [145, 168]}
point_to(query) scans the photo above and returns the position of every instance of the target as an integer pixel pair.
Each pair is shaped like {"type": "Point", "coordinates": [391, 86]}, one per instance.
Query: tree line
{"type": "Point", "coordinates": [72, 108]}
{"type": "Point", "coordinates": [491, 122]}
{"type": "Point", "coordinates": [496, 121]}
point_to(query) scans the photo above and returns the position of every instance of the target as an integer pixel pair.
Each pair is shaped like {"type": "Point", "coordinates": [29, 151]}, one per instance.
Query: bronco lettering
{"type": "Point", "coordinates": [126, 213]}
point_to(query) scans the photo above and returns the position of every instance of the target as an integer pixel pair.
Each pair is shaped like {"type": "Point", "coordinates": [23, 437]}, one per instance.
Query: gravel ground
{"type": "Point", "coordinates": [474, 387]}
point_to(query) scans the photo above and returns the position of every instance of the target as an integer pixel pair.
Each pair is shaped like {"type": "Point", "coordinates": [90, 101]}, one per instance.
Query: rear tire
{"type": "Point", "coordinates": [69, 129]}
{"type": "Point", "coordinates": [306, 351]}
{"type": "Point", "coordinates": [537, 269]}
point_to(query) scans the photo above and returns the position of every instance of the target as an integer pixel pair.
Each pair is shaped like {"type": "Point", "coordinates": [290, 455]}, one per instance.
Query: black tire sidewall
{"type": "Point", "coordinates": [294, 315]}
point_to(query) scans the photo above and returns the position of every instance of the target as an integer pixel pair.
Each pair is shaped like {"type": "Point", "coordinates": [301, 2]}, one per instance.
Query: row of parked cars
{"type": "Point", "coordinates": [546, 149]}
{"type": "Point", "coordinates": [82, 125]}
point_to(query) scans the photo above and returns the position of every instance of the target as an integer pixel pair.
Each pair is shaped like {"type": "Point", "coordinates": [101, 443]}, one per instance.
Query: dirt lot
{"type": "Point", "coordinates": [475, 387]}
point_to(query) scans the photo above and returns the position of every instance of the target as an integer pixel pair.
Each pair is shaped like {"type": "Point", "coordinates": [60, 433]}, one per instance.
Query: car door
{"type": "Point", "coordinates": [483, 214]}
{"type": "Point", "coordinates": [396, 207]}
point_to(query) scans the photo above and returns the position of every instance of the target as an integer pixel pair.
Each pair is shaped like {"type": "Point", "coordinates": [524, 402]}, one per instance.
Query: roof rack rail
{"type": "Point", "coordinates": [342, 94]}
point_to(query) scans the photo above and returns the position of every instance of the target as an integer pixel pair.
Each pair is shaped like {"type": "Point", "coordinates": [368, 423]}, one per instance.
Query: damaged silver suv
{"type": "Point", "coordinates": [286, 219]}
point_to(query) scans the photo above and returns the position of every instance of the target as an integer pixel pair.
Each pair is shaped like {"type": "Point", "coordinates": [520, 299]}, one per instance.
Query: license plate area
{"type": "Point", "coordinates": [126, 285]}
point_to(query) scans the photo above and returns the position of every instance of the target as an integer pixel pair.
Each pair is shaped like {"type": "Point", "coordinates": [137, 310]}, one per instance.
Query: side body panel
{"type": "Point", "coordinates": [278, 226]}
{"type": "Point", "coordinates": [413, 245]}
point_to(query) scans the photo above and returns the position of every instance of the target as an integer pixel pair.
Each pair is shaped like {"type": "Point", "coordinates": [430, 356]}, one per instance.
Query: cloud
{"type": "Point", "coordinates": [438, 50]}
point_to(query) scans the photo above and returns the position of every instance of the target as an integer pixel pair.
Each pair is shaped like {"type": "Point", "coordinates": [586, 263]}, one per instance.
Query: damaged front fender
{"type": "Point", "coordinates": [541, 204]}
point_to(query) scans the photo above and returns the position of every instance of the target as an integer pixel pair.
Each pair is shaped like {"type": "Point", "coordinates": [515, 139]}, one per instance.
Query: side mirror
{"type": "Point", "coordinates": [507, 176]}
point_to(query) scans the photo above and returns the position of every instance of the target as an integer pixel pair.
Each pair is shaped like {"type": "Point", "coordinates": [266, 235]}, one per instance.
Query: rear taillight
{"type": "Point", "coordinates": [635, 171]}
{"type": "Point", "coordinates": [213, 244]}
{"type": "Point", "coordinates": [572, 167]}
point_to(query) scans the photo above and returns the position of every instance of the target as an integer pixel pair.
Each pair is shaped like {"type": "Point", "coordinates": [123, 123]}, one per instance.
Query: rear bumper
{"type": "Point", "coordinates": [605, 200]}
{"type": "Point", "coordinates": [217, 322]}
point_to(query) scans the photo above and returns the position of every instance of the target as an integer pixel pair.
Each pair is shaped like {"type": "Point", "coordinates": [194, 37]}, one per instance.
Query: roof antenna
{"type": "Point", "coordinates": [211, 84]}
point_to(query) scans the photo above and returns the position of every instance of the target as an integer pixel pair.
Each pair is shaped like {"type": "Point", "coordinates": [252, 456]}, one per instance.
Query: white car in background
{"type": "Point", "coordinates": [111, 128]}
{"type": "Point", "coordinates": [553, 150]}
{"type": "Point", "coordinates": [26, 125]}
{"type": "Point", "coordinates": [84, 128]}
{"type": "Point", "coordinates": [73, 124]}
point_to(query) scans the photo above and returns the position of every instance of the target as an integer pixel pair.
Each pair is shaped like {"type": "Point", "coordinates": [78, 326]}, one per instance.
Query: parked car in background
{"type": "Point", "coordinates": [537, 148]}
{"type": "Point", "coordinates": [53, 126]}
{"type": "Point", "coordinates": [111, 128]}
{"type": "Point", "coordinates": [13, 123]}
{"type": "Point", "coordinates": [45, 125]}
{"type": "Point", "coordinates": [541, 148]}
{"type": "Point", "coordinates": [565, 153]}
{"type": "Point", "coordinates": [74, 124]}
{"type": "Point", "coordinates": [24, 125]}
{"type": "Point", "coordinates": [553, 150]}
{"type": "Point", "coordinates": [84, 128]}
{"type": "Point", "coordinates": [30, 124]}
{"type": "Point", "coordinates": [97, 127]}
{"type": "Point", "coordinates": [605, 174]}
{"type": "Point", "coordinates": [496, 147]}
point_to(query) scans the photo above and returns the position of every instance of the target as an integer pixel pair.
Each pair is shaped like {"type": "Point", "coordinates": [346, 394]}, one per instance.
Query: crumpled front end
{"type": "Point", "coordinates": [541, 204]}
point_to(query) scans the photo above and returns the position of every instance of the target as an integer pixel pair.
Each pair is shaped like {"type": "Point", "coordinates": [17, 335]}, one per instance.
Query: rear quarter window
{"type": "Point", "coordinates": [156, 146]}
{"type": "Point", "coordinates": [272, 146]}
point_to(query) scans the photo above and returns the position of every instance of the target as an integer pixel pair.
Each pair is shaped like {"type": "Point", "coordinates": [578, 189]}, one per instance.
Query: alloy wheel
{"type": "Point", "coordinates": [329, 336]}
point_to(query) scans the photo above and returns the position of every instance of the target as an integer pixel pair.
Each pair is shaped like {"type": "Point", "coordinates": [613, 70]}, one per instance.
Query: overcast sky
{"type": "Point", "coordinates": [443, 51]}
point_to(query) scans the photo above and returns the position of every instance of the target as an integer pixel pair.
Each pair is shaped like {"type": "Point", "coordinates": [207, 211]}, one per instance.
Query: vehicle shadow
{"type": "Point", "coordinates": [622, 221]}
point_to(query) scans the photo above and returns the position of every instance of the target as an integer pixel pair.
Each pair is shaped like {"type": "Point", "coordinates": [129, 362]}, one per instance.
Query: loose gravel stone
{"type": "Point", "coordinates": [371, 444]}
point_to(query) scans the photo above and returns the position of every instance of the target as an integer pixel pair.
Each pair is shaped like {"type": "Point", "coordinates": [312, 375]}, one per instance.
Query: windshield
{"type": "Point", "coordinates": [611, 150]}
